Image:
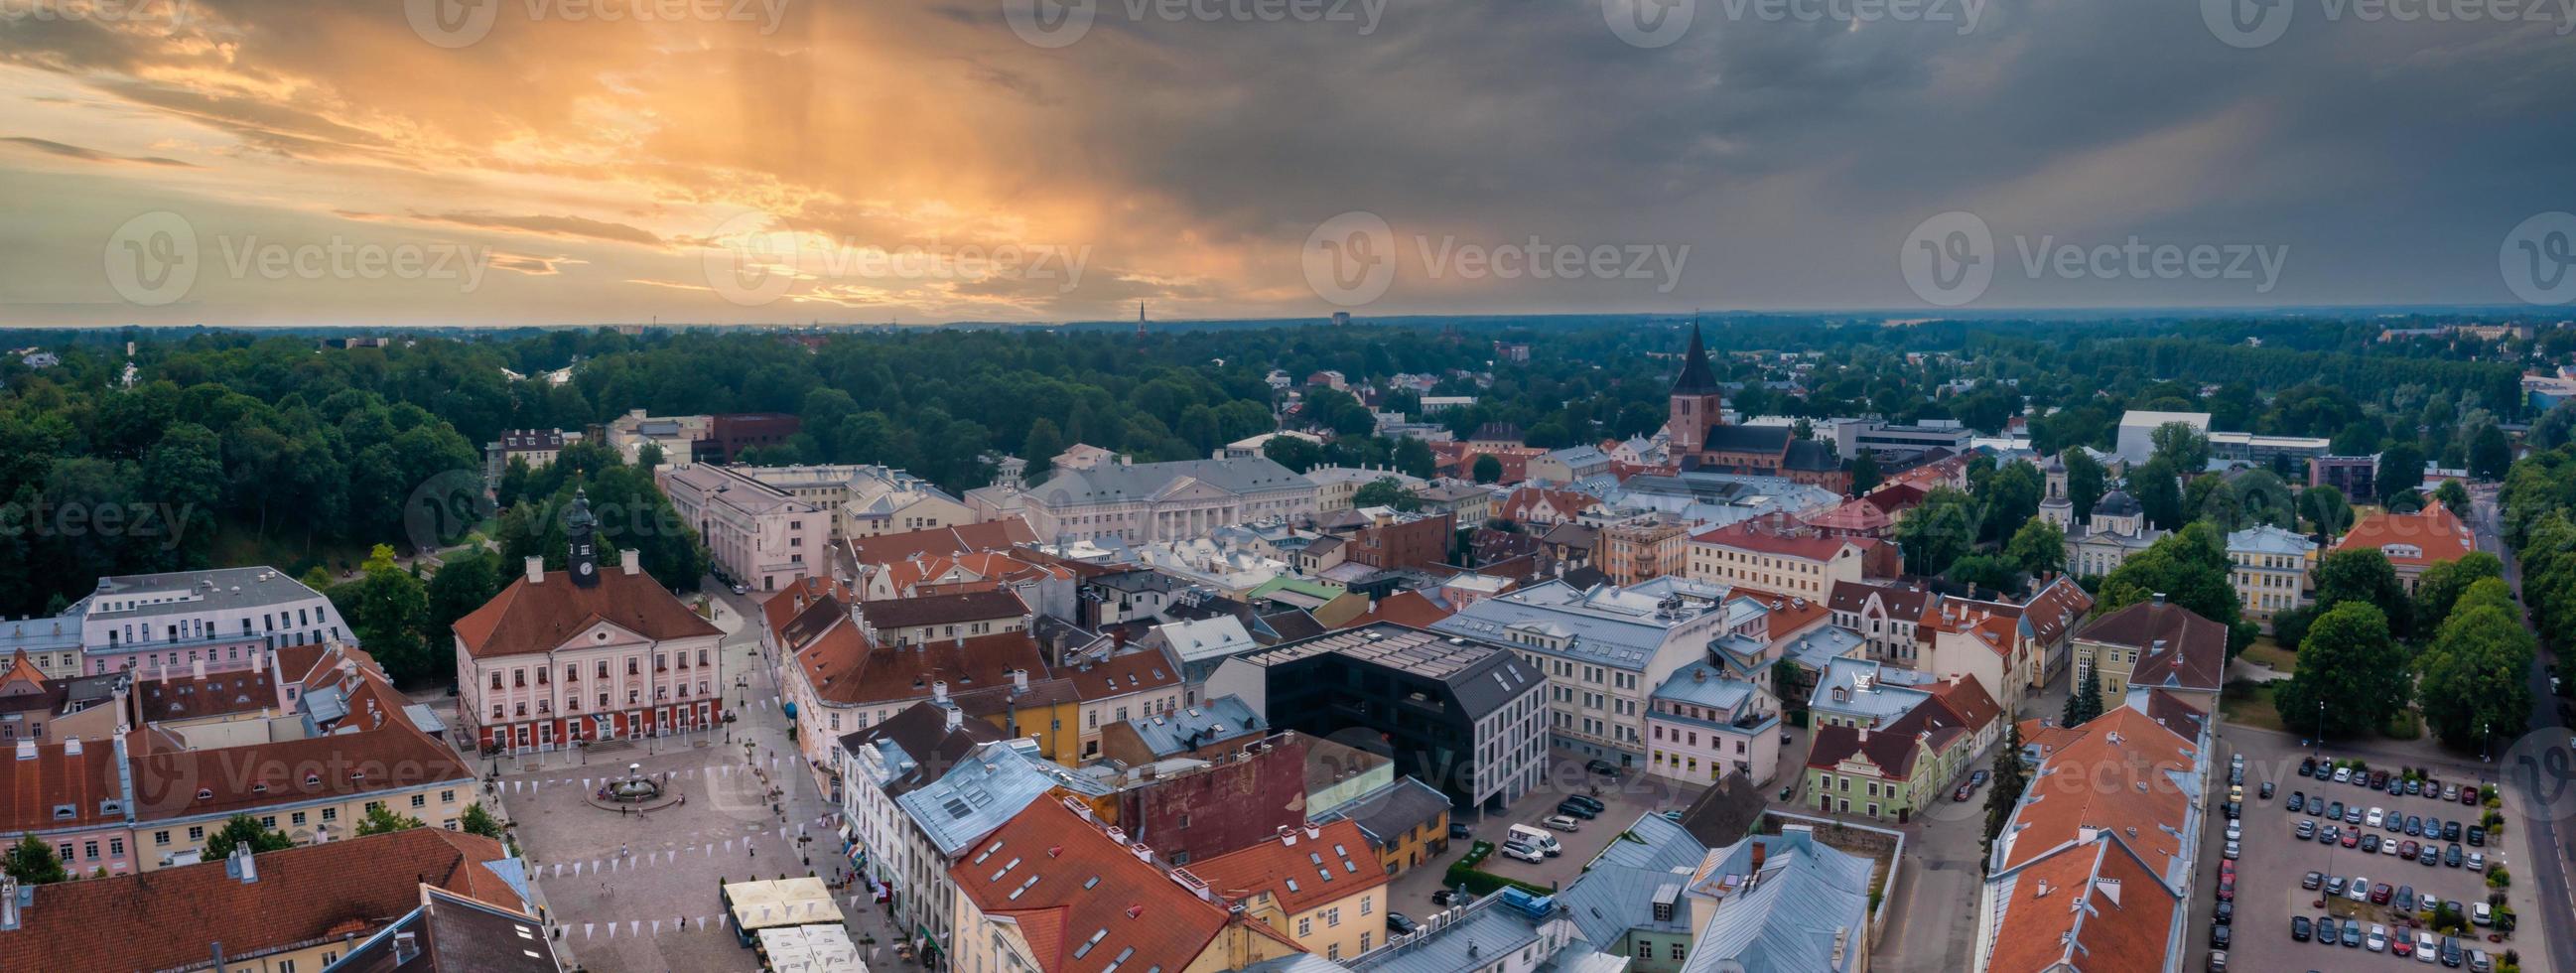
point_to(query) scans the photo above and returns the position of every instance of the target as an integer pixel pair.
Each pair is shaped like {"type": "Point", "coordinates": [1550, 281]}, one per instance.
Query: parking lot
{"type": "Point", "coordinates": [2274, 861]}
{"type": "Point", "coordinates": [1632, 794]}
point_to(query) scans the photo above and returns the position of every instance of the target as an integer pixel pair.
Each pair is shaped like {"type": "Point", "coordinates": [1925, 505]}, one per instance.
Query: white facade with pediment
{"type": "Point", "coordinates": [1196, 498]}
{"type": "Point", "coordinates": [605, 682]}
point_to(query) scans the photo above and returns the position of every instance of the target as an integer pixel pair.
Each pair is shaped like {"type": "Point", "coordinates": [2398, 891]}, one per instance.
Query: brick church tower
{"type": "Point", "coordinates": [1697, 401]}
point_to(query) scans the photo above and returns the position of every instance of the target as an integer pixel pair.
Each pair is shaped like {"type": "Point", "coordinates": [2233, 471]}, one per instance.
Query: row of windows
{"type": "Point", "coordinates": [572, 704]}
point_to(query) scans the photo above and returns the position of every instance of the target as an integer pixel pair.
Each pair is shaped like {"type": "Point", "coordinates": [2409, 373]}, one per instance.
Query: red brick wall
{"type": "Point", "coordinates": [1228, 805]}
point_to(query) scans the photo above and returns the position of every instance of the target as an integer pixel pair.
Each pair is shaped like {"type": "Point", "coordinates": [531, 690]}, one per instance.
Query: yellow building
{"type": "Point", "coordinates": [1335, 909]}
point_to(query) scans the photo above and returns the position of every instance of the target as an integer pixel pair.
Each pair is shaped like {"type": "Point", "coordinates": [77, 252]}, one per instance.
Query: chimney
{"type": "Point", "coordinates": [406, 947]}
{"type": "Point", "coordinates": [240, 866]}
{"type": "Point", "coordinates": [536, 570]}
{"type": "Point", "coordinates": [2160, 599]}
{"type": "Point", "coordinates": [1864, 734]}
{"type": "Point", "coordinates": [631, 560]}
{"type": "Point", "coordinates": [956, 718]}
{"type": "Point", "coordinates": [1020, 680]}
{"type": "Point", "coordinates": [939, 690]}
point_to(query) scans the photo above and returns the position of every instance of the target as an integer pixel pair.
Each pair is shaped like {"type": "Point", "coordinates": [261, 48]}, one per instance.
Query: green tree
{"type": "Point", "coordinates": [1297, 453]}
{"type": "Point", "coordinates": [2190, 568]}
{"type": "Point", "coordinates": [2086, 482]}
{"type": "Point", "coordinates": [1986, 571]}
{"type": "Point", "coordinates": [476, 820]}
{"type": "Point", "coordinates": [2475, 675]}
{"type": "Point", "coordinates": [2363, 575]}
{"type": "Point", "coordinates": [388, 610]}
{"type": "Point", "coordinates": [241, 829]}
{"type": "Point", "coordinates": [2180, 447]}
{"type": "Point", "coordinates": [2453, 496]}
{"type": "Point", "coordinates": [463, 584]}
{"type": "Point", "coordinates": [2327, 511]}
{"type": "Point", "coordinates": [2010, 498]}
{"type": "Point", "coordinates": [2038, 548]}
{"type": "Point", "coordinates": [2085, 702]}
{"type": "Point", "coordinates": [2401, 471]}
{"type": "Point", "coordinates": [1414, 458]}
{"type": "Point", "coordinates": [2490, 454]}
{"type": "Point", "coordinates": [2351, 670]}
{"type": "Point", "coordinates": [31, 861]}
{"type": "Point", "coordinates": [1487, 469]}
{"type": "Point", "coordinates": [1386, 491]}
{"type": "Point", "coordinates": [1040, 447]}
{"type": "Point", "coordinates": [1939, 531]}
{"type": "Point", "coordinates": [2443, 583]}
{"type": "Point", "coordinates": [2159, 493]}
{"type": "Point", "coordinates": [383, 820]}
{"type": "Point", "coordinates": [2011, 777]}
{"type": "Point", "coordinates": [1864, 473]}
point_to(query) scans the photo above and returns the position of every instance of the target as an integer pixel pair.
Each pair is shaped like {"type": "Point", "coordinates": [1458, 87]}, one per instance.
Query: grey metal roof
{"type": "Point", "coordinates": [1476, 941]}
{"type": "Point", "coordinates": [2267, 539]}
{"type": "Point", "coordinates": [1701, 684]}
{"type": "Point", "coordinates": [1221, 718]}
{"type": "Point", "coordinates": [1806, 895]}
{"type": "Point", "coordinates": [1482, 675]}
{"type": "Point", "coordinates": [995, 782]}
{"type": "Point", "coordinates": [1869, 689]}
{"type": "Point", "coordinates": [1653, 843]}
{"type": "Point", "coordinates": [1606, 625]}
{"type": "Point", "coordinates": [1113, 483]}
{"type": "Point", "coordinates": [1395, 809]}
{"type": "Point", "coordinates": [1608, 901]}
{"type": "Point", "coordinates": [193, 593]}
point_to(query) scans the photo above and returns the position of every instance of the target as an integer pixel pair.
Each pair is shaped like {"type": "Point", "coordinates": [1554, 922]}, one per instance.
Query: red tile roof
{"type": "Point", "coordinates": [216, 694]}
{"type": "Point", "coordinates": [383, 756]}
{"type": "Point", "coordinates": [2178, 649]}
{"type": "Point", "coordinates": [844, 667]}
{"type": "Point", "coordinates": [30, 790]}
{"type": "Point", "coordinates": [1775, 539]}
{"type": "Point", "coordinates": [21, 670]}
{"type": "Point", "coordinates": [305, 895]}
{"type": "Point", "coordinates": [956, 609]}
{"type": "Point", "coordinates": [1412, 609]}
{"type": "Point", "coordinates": [1083, 898]}
{"type": "Point", "coordinates": [1120, 675]}
{"type": "Point", "coordinates": [792, 601]}
{"type": "Point", "coordinates": [2118, 776]}
{"type": "Point", "coordinates": [1302, 869]}
{"type": "Point", "coordinates": [2415, 540]}
{"type": "Point", "coordinates": [2102, 911]}
{"type": "Point", "coordinates": [1562, 504]}
{"type": "Point", "coordinates": [1967, 697]}
{"type": "Point", "coordinates": [997, 535]}
{"type": "Point", "coordinates": [528, 618]}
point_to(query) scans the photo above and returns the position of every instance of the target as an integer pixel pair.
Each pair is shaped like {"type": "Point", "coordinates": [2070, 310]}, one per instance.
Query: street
{"type": "Point", "coordinates": [2543, 821]}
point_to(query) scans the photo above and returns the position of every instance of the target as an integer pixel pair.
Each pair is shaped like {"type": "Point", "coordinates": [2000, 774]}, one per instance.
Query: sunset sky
{"type": "Point", "coordinates": [555, 167]}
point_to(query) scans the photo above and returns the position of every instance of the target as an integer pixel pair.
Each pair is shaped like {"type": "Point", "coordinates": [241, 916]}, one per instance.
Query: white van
{"type": "Point", "coordinates": [1535, 838]}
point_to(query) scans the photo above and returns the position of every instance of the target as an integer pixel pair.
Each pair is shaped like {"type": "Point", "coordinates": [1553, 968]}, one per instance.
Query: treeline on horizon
{"type": "Point", "coordinates": [302, 455]}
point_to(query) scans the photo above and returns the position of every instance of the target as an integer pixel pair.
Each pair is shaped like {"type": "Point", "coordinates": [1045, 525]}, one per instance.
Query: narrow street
{"type": "Point", "coordinates": [2545, 822]}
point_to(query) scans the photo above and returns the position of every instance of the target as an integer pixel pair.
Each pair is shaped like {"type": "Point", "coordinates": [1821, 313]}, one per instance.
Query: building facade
{"type": "Point", "coordinates": [1152, 502]}
{"type": "Point", "coordinates": [758, 535]}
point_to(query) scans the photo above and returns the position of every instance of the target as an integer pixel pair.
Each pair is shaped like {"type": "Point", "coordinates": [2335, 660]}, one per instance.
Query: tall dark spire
{"type": "Point", "coordinates": [1695, 378]}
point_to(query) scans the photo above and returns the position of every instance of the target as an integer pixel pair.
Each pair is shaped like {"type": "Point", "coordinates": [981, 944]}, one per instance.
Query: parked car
{"type": "Point", "coordinates": [2219, 935]}
{"type": "Point", "coordinates": [2401, 944]}
{"type": "Point", "coordinates": [1589, 801]}
{"type": "Point", "coordinates": [1514, 849]}
{"type": "Point", "coordinates": [2381, 893]}
{"type": "Point", "coordinates": [2405, 899]}
{"type": "Point", "coordinates": [2227, 888]}
{"type": "Point", "coordinates": [2430, 855]}
{"type": "Point", "coordinates": [2378, 779]}
{"type": "Point", "coordinates": [1449, 897]}
{"type": "Point", "coordinates": [2298, 801]}
{"type": "Point", "coordinates": [1603, 767]}
{"type": "Point", "coordinates": [2351, 839]}
{"type": "Point", "coordinates": [2311, 881]}
{"type": "Point", "coordinates": [2335, 810]}
{"type": "Point", "coordinates": [1401, 924]}
{"type": "Point", "coordinates": [2479, 963]}
{"type": "Point", "coordinates": [2343, 775]}
{"type": "Point", "coordinates": [2414, 824]}
{"type": "Point", "coordinates": [1572, 809]}
{"type": "Point", "coordinates": [2352, 814]}
{"type": "Point", "coordinates": [2327, 931]}
{"type": "Point", "coordinates": [2426, 946]}
{"type": "Point", "coordinates": [2477, 836]}
{"type": "Point", "coordinates": [1457, 830]}
{"type": "Point", "coordinates": [2217, 961]}
{"type": "Point", "coordinates": [1963, 793]}
{"type": "Point", "coordinates": [2335, 884]}
{"type": "Point", "coordinates": [2235, 831]}
{"type": "Point", "coordinates": [2329, 834]}
{"type": "Point", "coordinates": [2407, 849]}
{"type": "Point", "coordinates": [2477, 861]}
{"type": "Point", "coordinates": [1561, 823]}
{"type": "Point", "coordinates": [2306, 830]}
{"type": "Point", "coordinates": [2352, 934]}
{"type": "Point", "coordinates": [2225, 914]}
{"type": "Point", "coordinates": [2450, 792]}
{"type": "Point", "coordinates": [2388, 846]}
{"type": "Point", "coordinates": [2473, 796]}
{"type": "Point", "coordinates": [2451, 951]}
{"type": "Point", "coordinates": [2377, 940]}
{"type": "Point", "coordinates": [2451, 856]}
{"type": "Point", "coordinates": [2450, 830]}
{"type": "Point", "coordinates": [2370, 844]}
{"type": "Point", "coordinates": [2233, 850]}
{"type": "Point", "coordinates": [2300, 928]}
{"type": "Point", "coordinates": [2375, 818]}
{"type": "Point", "coordinates": [2414, 786]}
{"type": "Point", "coordinates": [2358, 890]}
{"type": "Point", "coordinates": [2307, 766]}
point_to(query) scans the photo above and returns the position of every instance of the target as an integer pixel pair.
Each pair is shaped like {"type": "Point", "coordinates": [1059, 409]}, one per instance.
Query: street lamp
{"type": "Point", "coordinates": [2321, 727]}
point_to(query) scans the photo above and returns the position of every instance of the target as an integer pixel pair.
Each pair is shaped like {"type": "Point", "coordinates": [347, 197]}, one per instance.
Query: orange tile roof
{"type": "Point", "coordinates": [1120, 675]}
{"type": "Point", "coordinates": [1563, 503]}
{"type": "Point", "coordinates": [2416, 540]}
{"type": "Point", "coordinates": [304, 895]}
{"type": "Point", "coordinates": [1966, 696]}
{"type": "Point", "coordinates": [1293, 867]}
{"type": "Point", "coordinates": [1787, 615]}
{"type": "Point", "coordinates": [528, 618]}
{"type": "Point", "coordinates": [187, 783]}
{"type": "Point", "coordinates": [1776, 540]}
{"type": "Point", "coordinates": [1412, 609]}
{"type": "Point", "coordinates": [2103, 912]}
{"type": "Point", "coordinates": [21, 670]}
{"type": "Point", "coordinates": [843, 667]}
{"type": "Point", "coordinates": [996, 535]}
{"type": "Point", "coordinates": [791, 601]}
{"type": "Point", "coordinates": [2118, 777]}
{"type": "Point", "coordinates": [1084, 898]}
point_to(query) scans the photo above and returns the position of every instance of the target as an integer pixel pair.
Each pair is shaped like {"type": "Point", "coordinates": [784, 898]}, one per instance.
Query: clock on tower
{"type": "Point", "coordinates": [583, 531]}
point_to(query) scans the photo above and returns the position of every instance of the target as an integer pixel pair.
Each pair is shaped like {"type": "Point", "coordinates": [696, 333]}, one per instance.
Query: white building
{"type": "Point", "coordinates": [1152, 502]}
{"type": "Point", "coordinates": [758, 535]}
{"type": "Point", "coordinates": [156, 624]}
{"type": "Point", "coordinates": [2137, 432]}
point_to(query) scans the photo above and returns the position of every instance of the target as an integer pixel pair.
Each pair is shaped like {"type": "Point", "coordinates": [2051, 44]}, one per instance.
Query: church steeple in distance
{"type": "Point", "coordinates": [1696, 379]}
{"type": "Point", "coordinates": [582, 530]}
